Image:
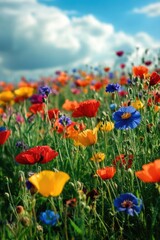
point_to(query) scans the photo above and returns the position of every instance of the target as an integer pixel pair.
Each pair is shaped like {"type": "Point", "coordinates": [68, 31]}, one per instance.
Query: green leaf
{"type": "Point", "coordinates": [76, 228]}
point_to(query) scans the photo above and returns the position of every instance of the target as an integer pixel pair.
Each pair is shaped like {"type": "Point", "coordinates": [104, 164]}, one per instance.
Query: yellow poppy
{"type": "Point", "coordinates": [98, 157]}
{"type": "Point", "coordinates": [6, 97]}
{"type": "Point", "coordinates": [24, 92]}
{"type": "Point", "coordinates": [86, 138]}
{"type": "Point", "coordinates": [49, 183]}
{"type": "Point", "coordinates": [137, 104]}
{"type": "Point", "coordinates": [105, 126]}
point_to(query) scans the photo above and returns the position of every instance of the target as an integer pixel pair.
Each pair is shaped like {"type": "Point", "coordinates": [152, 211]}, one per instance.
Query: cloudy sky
{"type": "Point", "coordinates": [39, 36]}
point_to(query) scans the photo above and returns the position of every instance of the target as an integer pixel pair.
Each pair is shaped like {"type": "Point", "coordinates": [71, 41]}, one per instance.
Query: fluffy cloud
{"type": "Point", "coordinates": [38, 39]}
{"type": "Point", "coordinates": [151, 10]}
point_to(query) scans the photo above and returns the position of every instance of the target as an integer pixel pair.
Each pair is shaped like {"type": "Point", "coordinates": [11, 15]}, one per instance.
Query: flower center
{"type": "Point", "coordinates": [126, 115]}
{"type": "Point", "coordinates": [127, 204]}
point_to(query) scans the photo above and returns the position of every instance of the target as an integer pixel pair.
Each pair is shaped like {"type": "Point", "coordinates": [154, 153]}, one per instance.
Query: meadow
{"type": "Point", "coordinates": [80, 155]}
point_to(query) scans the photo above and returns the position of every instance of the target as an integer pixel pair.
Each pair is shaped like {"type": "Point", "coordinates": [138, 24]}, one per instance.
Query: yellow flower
{"type": "Point", "coordinates": [6, 97]}
{"type": "Point", "coordinates": [86, 138]}
{"type": "Point", "coordinates": [24, 92]}
{"type": "Point", "coordinates": [105, 126]}
{"type": "Point", "coordinates": [49, 183]}
{"type": "Point", "coordinates": [137, 104]}
{"type": "Point", "coordinates": [98, 157]}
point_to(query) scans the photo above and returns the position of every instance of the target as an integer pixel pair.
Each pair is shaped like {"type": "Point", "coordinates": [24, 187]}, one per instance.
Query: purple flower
{"type": "Point", "coordinates": [29, 185]}
{"type": "Point", "coordinates": [3, 129]}
{"type": "Point", "coordinates": [49, 217]}
{"type": "Point", "coordinates": [21, 144]}
{"type": "Point", "coordinates": [36, 98]}
{"type": "Point", "coordinates": [44, 90]}
{"type": "Point", "coordinates": [64, 120]}
{"type": "Point", "coordinates": [128, 203]}
{"type": "Point", "coordinates": [113, 87]}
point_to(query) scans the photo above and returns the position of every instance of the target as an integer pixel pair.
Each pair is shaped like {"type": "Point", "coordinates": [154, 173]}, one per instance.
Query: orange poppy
{"type": "Point", "coordinates": [63, 78]}
{"type": "Point", "coordinates": [139, 71]}
{"type": "Point", "coordinates": [70, 105]}
{"type": "Point", "coordinates": [74, 129]}
{"type": "Point", "coordinates": [106, 172]}
{"type": "Point", "coordinates": [8, 87]}
{"type": "Point", "coordinates": [88, 108]}
{"type": "Point", "coordinates": [82, 83]}
{"type": "Point", "coordinates": [150, 172]}
{"type": "Point", "coordinates": [1, 111]}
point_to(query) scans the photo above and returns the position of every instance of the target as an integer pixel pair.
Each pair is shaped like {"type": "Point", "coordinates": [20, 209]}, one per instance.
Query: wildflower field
{"type": "Point", "coordinates": [80, 155]}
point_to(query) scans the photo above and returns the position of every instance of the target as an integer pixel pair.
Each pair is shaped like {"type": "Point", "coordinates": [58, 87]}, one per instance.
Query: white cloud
{"type": "Point", "coordinates": [39, 39]}
{"type": "Point", "coordinates": [151, 10]}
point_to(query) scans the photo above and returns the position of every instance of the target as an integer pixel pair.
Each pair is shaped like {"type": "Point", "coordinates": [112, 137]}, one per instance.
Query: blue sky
{"type": "Point", "coordinates": [117, 12]}
{"type": "Point", "coordinates": [41, 36]}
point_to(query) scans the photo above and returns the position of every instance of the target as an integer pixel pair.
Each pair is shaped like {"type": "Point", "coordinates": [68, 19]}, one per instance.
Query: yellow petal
{"type": "Point", "coordinates": [49, 183]}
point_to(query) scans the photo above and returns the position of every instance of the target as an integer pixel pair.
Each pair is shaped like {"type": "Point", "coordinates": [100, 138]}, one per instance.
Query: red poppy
{"type": "Point", "coordinates": [4, 135]}
{"type": "Point", "coordinates": [123, 161]}
{"type": "Point", "coordinates": [106, 69]}
{"type": "Point", "coordinates": [157, 97]}
{"type": "Point", "coordinates": [53, 113]}
{"type": "Point", "coordinates": [119, 53]}
{"type": "Point", "coordinates": [122, 65]}
{"type": "Point", "coordinates": [106, 172]}
{"type": "Point", "coordinates": [123, 80]}
{"type": "Point", "coordinates": [97, 86]}
{"type": "Point", "coordinates": [154, 100]}
{"type": "Point", "coordinates": [148, 63]}
{"type": "Point", "coordinates": [154, 79]}
{"type": "Point", "coordinates": [38, 154]}
{"type": "Point", "coordinates": [37, 107]}
{"type": "Point", "coordinates": [122, 93]}
{"type": "Point", "coordinates": [19, 99]}
{"type": "Point", "coordinates": [88, 108]}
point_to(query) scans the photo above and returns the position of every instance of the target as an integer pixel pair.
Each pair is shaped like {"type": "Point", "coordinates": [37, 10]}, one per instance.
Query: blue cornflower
{"type": "Point", "coordinates": [113, 106]}
{"type": "Point", "coordinates": [49, 217]}
{"type": "Point", "coordinates": [128, 203]}
{"type": "Point", "coordinates": [74, 70]}
{"type": "Point", "coordinates": [111, 75]}
{"type": "Point", "coordinates": [126, 118]}
{"type": "Point", "coordinates": [113, 87]}
{"type": "Point", "coordinates": [21, 144]}
{"type": "Point", "coordinates": [64, 120]}
{"type": "Point", "coordinates": [2, 129]}
{"type": "Point", "coordinates": [44, 90]}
